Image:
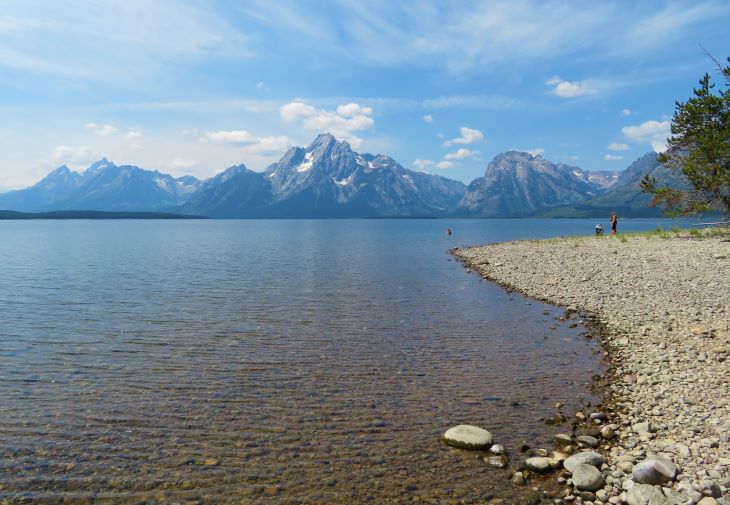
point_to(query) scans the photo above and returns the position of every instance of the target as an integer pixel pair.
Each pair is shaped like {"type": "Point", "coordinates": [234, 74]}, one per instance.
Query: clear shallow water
{"type": "Point", "coordinates": [287, 361]}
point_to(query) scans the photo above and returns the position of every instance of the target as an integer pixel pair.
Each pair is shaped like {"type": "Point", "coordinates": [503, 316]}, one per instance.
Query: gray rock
{"type": "Point", "coordinates": [497, 449]}
{"type": "Point", "coordinates": [707, 500]}
{"type": "Point", "coordinates": [640, 428]}
{"type": "Point", "coordinates": [587, 477]}
{"type": "Point", "coordinates": [539, 464]}
{"type": "Point", "coordinates": [465, 436]}
{"type": "Point", "coordinates": [709, 488]}
{"type": "Point", "coordinates": [654, 470]}
{"type": "Point", "coordinates": [607, 432]}
{"type": "Point", "coordinates": [563, 439]}
{"type": "Point", "coordinates": [644, 494]}
{"type": "Point", "coordinates": [586, 457]}
{"type": "Point", "coordinates": [588, 441]}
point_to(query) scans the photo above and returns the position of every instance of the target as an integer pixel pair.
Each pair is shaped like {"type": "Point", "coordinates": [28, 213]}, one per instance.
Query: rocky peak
{"type": "Point", "coordinates": [99, 166]}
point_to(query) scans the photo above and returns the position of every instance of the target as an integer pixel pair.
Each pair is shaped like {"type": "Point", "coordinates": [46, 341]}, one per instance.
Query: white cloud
{"type": "Point", "coordinates": [102, 130]}
{"type": "Point", "coordinates": [468, 136]}
{"type": "Point", "coordinates": [428, 118]}
{"type": "Point", "coordinates": [110, 41]}
{"type": "Point", "coordinates": [489, 36]}
{"type": "Point", "coordinates": [568, 89]}
{"type": "Point", "coordinates": [190, 132]}
{"type": "Point", "coordinates": [626, 112]}
{"type": "Point", "coordinates": [612, 157]}
{"type": "Point", "coordinates": [421, 163]}
{"type": "Point", "coordinates": [489, 102]}
{"type": "Point", "coordinates": [445, 165]}
{"type": "Point", "coordinates": [74, 157]}
{"type": "Point", "coordinates": [251, 143]}
{"type": "Point", "coordinates": [342, 123]}
{"type": "Point", "coordinates": [617, 146]}
{"type": "Point", "coordinates": [354, 109]}
{"type": "Point", "coordinates": [182, 164]}
{"type": "Point", "coordinates": [538, 151]}
{"type": "Point", "coordinates": [133, 134]}
{"type": "Point", "coordinates": [654, 133]}
{"type": "Point", "coordinates": [460, 154]}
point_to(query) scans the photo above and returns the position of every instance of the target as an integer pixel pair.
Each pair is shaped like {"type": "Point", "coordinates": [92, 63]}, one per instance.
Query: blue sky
{"type": "Point", "coordinates": [192, 87]}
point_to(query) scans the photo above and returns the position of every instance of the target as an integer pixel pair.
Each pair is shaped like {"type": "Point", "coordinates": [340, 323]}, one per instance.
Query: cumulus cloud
{"type": "Point", "coordinates": [133, 134]}
{"type": "Point", "coordinates": [342, 123]}
{"type": "Point", "coordinates": [538, 151]}
{"type": "Point", "coordinates": [570, 89]}
{"type": "Point", "coordinates": [460, 154]}
{"type": "Point", "coordinates": [626, 112]}
{"type": "Point", "coordinates": [612, 157]}
{"type": "Point", "coordinates": [103, 130]}
{"type": "Point", "coordinates": [445, 165]}
{"type": "Point", "coordinates": [421, 163]}
{"type": "Point", "coordinates": [468, 136]}
{"type": "Point", "coordinates": [74, 157]}
{"type": "Point", "coordinates": [617, 146]}
{"type": "Point", "coordinates": [654, 133]}
{"type": "Point", "coordinates": [252, 144]}
{"type": "Point", "coordinates": [428, 118]}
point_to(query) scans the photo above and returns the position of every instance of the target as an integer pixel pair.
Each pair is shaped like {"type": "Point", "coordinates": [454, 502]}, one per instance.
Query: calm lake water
{"type": "Point", "coordinates": [271, 361]}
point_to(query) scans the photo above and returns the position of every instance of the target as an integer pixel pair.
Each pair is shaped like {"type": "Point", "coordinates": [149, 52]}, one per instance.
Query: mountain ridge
{"type": "Point", "coordinates": [328, 179]}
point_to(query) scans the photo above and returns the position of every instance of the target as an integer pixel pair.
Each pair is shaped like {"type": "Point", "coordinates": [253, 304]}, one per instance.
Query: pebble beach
{"type": "Point", "coordinates": [661, 302]}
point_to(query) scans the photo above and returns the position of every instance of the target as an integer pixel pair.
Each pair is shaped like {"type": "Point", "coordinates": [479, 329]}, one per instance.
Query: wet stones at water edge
{"type": "Point", "coordinates": [465, 436]}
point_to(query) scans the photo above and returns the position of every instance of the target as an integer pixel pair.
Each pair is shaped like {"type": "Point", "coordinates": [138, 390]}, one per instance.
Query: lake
{"type": "Point", "coordinates": [286, 361]}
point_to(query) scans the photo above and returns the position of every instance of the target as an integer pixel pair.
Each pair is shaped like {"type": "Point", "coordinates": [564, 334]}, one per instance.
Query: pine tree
{"type": "Point", "coordinates": [699, 148]}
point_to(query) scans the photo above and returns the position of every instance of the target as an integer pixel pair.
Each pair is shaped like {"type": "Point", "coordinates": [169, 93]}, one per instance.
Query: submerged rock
{"type": "Point", "coordinates": [499, 461]}
{"type": "Point", "coordinates": [465, 436]}
{"type": "Point", "coordinates": [539, 464]}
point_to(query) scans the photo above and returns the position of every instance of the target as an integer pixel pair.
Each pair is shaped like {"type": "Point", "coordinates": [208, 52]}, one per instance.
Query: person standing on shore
{"type": "Point", "coordinates": [614, 222]}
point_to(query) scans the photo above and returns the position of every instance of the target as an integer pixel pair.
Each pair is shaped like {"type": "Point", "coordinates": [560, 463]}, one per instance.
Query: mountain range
{"type": "Point", "coordinates": [327, 179]}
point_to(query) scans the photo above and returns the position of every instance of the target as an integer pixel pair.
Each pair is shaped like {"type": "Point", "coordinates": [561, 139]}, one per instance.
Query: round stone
{"type": "Point", "coordinates": [587, 477]}
{"type": "Point", "coordinates": [587, 457]}
{"type": "Point", "coordinates": [470, 437]}
{"type": "Point", "coordinates": [654, 470]}
{"type": "Point", "coordinates": [538, 464]}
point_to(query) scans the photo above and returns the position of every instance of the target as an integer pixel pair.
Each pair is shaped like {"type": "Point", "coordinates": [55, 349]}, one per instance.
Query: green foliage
{"type": "Point", "coordinates": [699, 148]}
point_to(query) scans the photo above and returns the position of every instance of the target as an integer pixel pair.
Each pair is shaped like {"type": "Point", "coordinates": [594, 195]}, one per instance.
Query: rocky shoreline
{"type": "Point", "coordinates": [662, 303]}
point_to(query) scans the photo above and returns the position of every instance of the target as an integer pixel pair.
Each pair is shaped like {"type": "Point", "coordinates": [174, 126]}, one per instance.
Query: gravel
{"type": "Point", "coordinates": [663, 307]}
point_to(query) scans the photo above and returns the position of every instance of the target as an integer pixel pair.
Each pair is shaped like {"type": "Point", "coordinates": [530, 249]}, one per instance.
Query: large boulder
{"type": "Point", "coordinates": [587, 477]}
{"type": "Point", "coordinates": [654, 470]}
{"type": "Point", "coordinates": [465, 436]}
{"type": "Point", "coordinates": [644, 494]}
{"type": "Point", "coordinates": [587, 457]}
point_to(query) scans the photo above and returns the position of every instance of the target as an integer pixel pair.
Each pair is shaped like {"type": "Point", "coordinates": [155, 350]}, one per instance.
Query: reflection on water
{"type": "Point", "coordinates": [288, 361]}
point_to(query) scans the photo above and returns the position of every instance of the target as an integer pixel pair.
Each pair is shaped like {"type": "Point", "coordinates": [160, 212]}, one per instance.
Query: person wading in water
{"type": "Point", "coordinates": [614, 222]}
